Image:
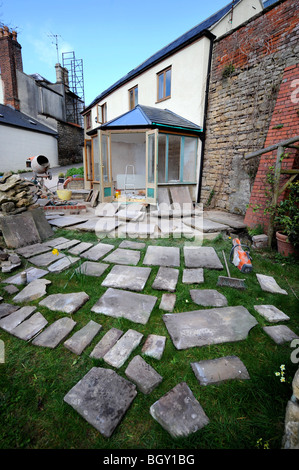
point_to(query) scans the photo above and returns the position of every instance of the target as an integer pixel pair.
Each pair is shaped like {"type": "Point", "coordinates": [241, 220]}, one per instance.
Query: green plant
{"type": "Point", "coordinates": [60, 175]}
{"type": "Point", "coordinates": [257, 230]}
{"type": "Point", "coordinates": [75, 171]}
{"type": "Point", "coordinates": [228, 70]}
{"type": "Point", "coordinates": [287, 214]}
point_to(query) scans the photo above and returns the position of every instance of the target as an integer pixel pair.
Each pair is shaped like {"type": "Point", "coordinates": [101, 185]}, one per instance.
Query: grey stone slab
{"type": "Point", "coordinates": [7, 309]}
{"type": "Point", "coordinates": [154, 346]}
{"type": "Point", "coordinates": [201, 257]}
{"type": "Point", "coordinates": [130, 215]}
{"type": "Point", "coordinates": [97, 251]}
{"type": "Point", "coordinates": [105, 225]}
{"type": "Point", "coordinates": [233, 220]}
{"type": "Point", "coordinates": [56, 241]}
{"type": "Point", "coordinates": [163, 196]}
{"type": "Point", "coordinates": [208, 298]}
{"type": "Point", "coordinates": [132, 245]}
{"type": "Point", "coordinates": [34, 290]}
{"type": "Point", "coordinates": [119, 353]}
{"type": "Point", "coordinates": [106, 343]}
{"type": "Point", "coordinates": [11, 289]}
{"type": "Point", "coordinates": [271, 313]}
{"type": "Point", "coordinates": [209, 326]}
{"type": "Point", "coordinates": [55, 333]}
{"type": "Point", "coordinates": [143, 375]}
{"type": "Point", "coordinates": [180, 195]}
{"type": "Point", "coordinates": [102, 398]}
{"type": "Point", "coordinates": [193, 276]}
{"type": "Point", "coordinates": [92, 268]}
{"type": "Point", "coordinates": [106, 209]}
{"type": "Point", "coordinates": [280, 333]}
{"type": "Point", "coordinates": [31, 273]}
{"type": "Point", "coordinates": [166, 279]}
{"type": "Point", "coordinates": [46, 259]}
{"type": "Point", "coordinates": [67, 303]}
{"type": "Point", "coordinates": [131, 305]}
{"type": "Point", "coordinates": [268, 284]}
{"type": "Point", "coordinates": [33, 250]}
{"type": "Point", "coordinates": [12, 320]}
{"type": "Point", "coordinates": [80, 248]}
{"type": "Point", "coordinates": [30, 327]}
{"type": "Point", "coordinates": [139, 230]}
{"type": "Point", "coordinates": [179, 412]}
{"type": "Point", "coordinates": [123, 256]}
{"type": "Point", "coordinates": [167, 302]}
{"type": "Point", "coordinates": [19, 230]}
{"type": "Point", "coordinates": [67, 245]}
{"type": "Point", "coordinates": [67, 221]}
{"type": "Point", "coordinates": [127, 277]}
{"type": "Point", "coordinates": [215, 371]}
{"type": "Point", "coordinates": [162, 256]}
{"type": "Point", "coordinates": [205, 225]}
{"type": "Point", "coordinates": [82, 338]}
{"type": "Point", "coordinates": [88, 226]}
{"type": "Point", "coordinates": [62, 264]}
{"type": "Point", "coordinates": [43, 227]}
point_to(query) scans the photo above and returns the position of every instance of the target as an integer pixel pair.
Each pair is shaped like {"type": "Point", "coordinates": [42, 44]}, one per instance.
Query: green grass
{"type": "Point", "coordinates": [33, 380]}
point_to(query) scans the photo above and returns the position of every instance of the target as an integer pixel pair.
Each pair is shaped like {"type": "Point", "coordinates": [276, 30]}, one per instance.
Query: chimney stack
{"type": "Point", "coordinates": [10, 62]}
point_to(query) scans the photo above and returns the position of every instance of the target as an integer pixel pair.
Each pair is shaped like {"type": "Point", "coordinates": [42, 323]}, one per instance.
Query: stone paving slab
{"type": "Point", "coordinates": [19, 230]}
{"type": "Point", "coordinates": [88, 226]}
{"type": "Point", "coordinates": [280, 333]}
{"type": "Point", "coordinates": [56, 241]}
{"type": "Point", "coordinates": [119, 353]}
{"type": "Point", "coordinates": [127, 214]}
{"type": "Point", "coordinates": [92, 268]}
{"type": "Point", "coordinates": [166, 279]}
{"type": "Point", "coordinates": [34, 290]}
{"type": "Point", "coordinates": [268, 284]}
{"type": "Point", "coordinates": [12, 320]}
{"type": "Point", "coordinates": [106, 343]}
{"type": "Point", "coordinates": [193, 276]}
{"type": "Point", "coordinates": [215, 371]}
{"type": "Point", "coordinates": [201, 257]}
{"type": "Point", "coordinates": [33, 250]}
{"type": "Point", "coordinates": [154, 346]}
{"type": "Point", "coordinates": [138, 230]}
{"type": "Point", "coordinates": [131, 305]}
{"type": "Point", "coordinates": [97, 251]}
{"type": "Point", "coordinates": [67, 221]}
{"type": "Point", "coordinates": [7, 309]}
{"type": "Point", "coordinates": [167, 302]}
{"type": "Point", "coordinates": [67, 303]}
{"type": "Point", "coordinates": [209, 326]}
{"type": "Point", "coordinates": [162, 256]}
{"type": "Point", "coordinates": [179, 412]}
{"type": "Point", "coordinates": [82, 338]}
{"type": "Point", "coordinates": [123, 256]}
{"type": "Point", "coordinates": [205, 225]}
{"type": "Point", "coordinates": [132, 245]}
{"type": "Point", "coordinates": [180, 195]}
{"type": "Point", "coordinates": [63, 264]}
{"type": "Point", "coordinates": [30, 327]}
{"type": "Point", "coordinates": [80, 248]}
{"type": "Point", "coordinates": [32, 274]}
{"type": "Point", "coordinates": [11, 289]}
{"type": "Point", "coordinates": [127, 277]}
{"type": "Point", "coordinates": [271, 313]}
{"type": "Point", "coordinates": [45, 259]}
{"type": "Point", "coordinates": [102, 398]}
{"type": "Point", "coordinates": [208, 298]}
{"type": "Point", "coordinates": [55, 333]}
{"type": "Point", "coordinates": [105, 225]}
{"type": "Point", "coordinates": [107, 209]}
{"type": "Point", "coordinates": [143, 375]}
{"type": "Point", "coordinates": [233, 220]}
{"type": "Point", "coordinates": [67, 245]}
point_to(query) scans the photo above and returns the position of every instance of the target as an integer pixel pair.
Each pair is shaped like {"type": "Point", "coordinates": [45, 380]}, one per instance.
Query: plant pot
{"type": "Point", "coordinates": [284, 247]}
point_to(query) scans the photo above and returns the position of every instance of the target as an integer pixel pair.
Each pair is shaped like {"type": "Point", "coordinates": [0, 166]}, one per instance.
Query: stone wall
{"type": "Point", "coordinates": [246, 73]}
{"type": "Point", "coordinates": [70, 143]}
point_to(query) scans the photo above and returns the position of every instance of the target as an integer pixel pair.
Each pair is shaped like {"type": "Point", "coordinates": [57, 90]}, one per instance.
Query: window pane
{"type": "Point", "coordinates": [174, 150]}
{"type": "Point", "coordinates": [136, 96]}
{"type": "Point", "coordinates": [151, 159]}
{"type": "Point", "coordinates": [168, 83]}
{"type": "Point", "coordinates": [96, 158]}
{"type": "Point", "coordinates": [105, 157]}
{"type": "Point", "coordinates": [161, 158]}
{"type": "Point", "coordinates": [190, 149]}
{"type": "Point", "coordinates": [161, 86]}
{"type": "Point", "coordinates": [88, 161]}
{"type": "Point", "coordinates": [131, 95]}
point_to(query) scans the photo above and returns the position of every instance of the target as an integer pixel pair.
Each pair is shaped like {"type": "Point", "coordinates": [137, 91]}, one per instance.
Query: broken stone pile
{"type": "Point", "coordinates": [17, 194]}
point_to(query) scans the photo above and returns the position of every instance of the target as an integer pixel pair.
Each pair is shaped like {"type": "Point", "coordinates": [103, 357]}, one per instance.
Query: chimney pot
{"type": "Point", "coordinates": [14, 35]}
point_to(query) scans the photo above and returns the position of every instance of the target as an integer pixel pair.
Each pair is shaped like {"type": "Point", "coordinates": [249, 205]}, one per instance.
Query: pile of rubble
{"type": "Point", "coordinates": [17, 194]}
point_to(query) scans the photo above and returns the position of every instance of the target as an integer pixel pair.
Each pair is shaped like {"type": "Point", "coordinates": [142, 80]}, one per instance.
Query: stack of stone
{"type": "Point", "coordinates": [17, 194]}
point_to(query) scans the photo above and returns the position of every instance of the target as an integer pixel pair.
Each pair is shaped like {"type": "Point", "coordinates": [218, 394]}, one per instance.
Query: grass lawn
{"type": "Point", "coordinates": [34, 380]}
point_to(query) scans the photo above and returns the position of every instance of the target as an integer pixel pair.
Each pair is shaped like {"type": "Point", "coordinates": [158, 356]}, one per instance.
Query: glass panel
{"type": "Point", "coordinates": [161, 86]}
{"type": "Point", "coordinates": [190, 149]}
{"type": "Point", "coordinates": [136, 96]}
{"type": "Point", "coordinates": [96, 158]}
{"type": "Point", "coordinates": [151, 158]}
{"type": "Point", "coordinates": [168, 83]}
{"type": "Point", "coordinates": [105, 158]}
{"type": "Point", "coordinates": [88, 160]}
{"type": "Point", "coordinates": [161, 158]}
{"type": "Point", "coordinates": [174, 149]}
{"type": "Point", "coordinates": [131, 95]}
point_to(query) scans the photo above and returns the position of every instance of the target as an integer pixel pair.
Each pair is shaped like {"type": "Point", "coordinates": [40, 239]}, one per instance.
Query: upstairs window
{"type": "Point", "coordinates": [133, 97]}
{"type": "Point", "coordinates": [88, 120]}
{"type": "Point", "coordinates": [102, 113]}
{"type": "Point", "coordinates": [164, 84]}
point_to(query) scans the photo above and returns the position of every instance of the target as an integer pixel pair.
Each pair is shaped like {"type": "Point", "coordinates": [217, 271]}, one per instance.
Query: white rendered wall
{"type": "Point", "coordinates": [241, 13]}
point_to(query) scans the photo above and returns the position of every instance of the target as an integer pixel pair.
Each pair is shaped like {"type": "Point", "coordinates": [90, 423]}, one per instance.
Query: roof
{"type": "Point", "coordinates": [11, 117]}
{"type": "Point", "coordinates": [195, 33]}
{"type": "Point", "coordinates": [147, 116]}
{"type": "Point", "coordinates": [267, 3]}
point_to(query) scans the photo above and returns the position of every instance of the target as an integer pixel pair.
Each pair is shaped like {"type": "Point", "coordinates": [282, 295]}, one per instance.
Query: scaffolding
{"type": "Point", "coordinates": [74, 107]}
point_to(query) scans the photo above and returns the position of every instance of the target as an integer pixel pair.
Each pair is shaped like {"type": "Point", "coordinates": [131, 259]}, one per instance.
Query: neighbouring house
{"type": "Point", "coordinates": [34, 118]}
{"type": "Point", "coordinates": [147, 130]}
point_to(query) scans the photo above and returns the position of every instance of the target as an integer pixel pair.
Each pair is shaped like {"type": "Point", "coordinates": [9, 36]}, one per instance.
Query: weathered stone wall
{"type": "Point", "coordinates": [246, 73]}
{"type": "Point", "coordinates": [70, 143]}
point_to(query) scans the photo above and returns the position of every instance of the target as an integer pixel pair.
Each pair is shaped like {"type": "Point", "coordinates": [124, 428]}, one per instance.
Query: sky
{"type": "Point", "coordinates": [111, 37]}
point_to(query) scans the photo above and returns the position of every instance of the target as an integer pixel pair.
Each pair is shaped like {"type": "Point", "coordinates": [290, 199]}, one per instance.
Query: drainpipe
{"type": "Point", "coordinates": [211, 37]}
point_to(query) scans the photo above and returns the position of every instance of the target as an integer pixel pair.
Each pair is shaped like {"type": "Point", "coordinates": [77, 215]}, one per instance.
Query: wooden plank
{"type": "Point", "coordinates": [283, 143]}
{"type": "Point", "coordinates": [94, 198]}
{"type": "Point", "coordinates": [180, 195]}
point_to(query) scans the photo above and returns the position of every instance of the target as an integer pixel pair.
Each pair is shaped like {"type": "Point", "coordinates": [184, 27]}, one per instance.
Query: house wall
{"type": "Point", "coordinates": [70, 143]}
{"type": "Point", "coordinates": [240, 13]}
{"type": "Point", "coordinates": [25, 144]}
{"type": "Point", "coordinates": [247, 71]}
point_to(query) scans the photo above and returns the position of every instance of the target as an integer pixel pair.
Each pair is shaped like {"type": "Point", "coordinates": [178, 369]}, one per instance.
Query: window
{"type": "Point", "coordinates": [88, 160]}
{"type": "Point", "coordinates": [164, 84]}
{"type": "Point", "coordinates": [102, 113]}
{"type": "Point", "coordinates": [88, 120]}
{"type": "Point", "coordinates": [133, 97]}
{"type": "Point", "coordinates": [177, 157]}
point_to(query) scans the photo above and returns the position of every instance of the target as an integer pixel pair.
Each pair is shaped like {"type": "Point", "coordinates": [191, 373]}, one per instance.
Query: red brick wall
{"type": "Point", "coordinates": [10, 61]}
{"type": "Point", "coordinates": [284, 124]}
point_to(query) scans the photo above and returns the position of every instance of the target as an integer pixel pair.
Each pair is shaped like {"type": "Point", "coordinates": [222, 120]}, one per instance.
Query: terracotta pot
{"type": "Point", "coordinates": [284, 247]}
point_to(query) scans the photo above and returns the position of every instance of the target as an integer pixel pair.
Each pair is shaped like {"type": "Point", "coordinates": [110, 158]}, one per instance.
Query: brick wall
{"type": "Point", "coordinates": [246, 73]}
{"type": "Point", "coordinates": [10, 61]}
{"type": "Point", "coordinates": [70, 143]}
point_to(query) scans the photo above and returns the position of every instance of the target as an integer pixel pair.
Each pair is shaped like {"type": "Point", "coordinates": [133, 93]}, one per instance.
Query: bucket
{"type": "Point", "coordinates": [64, 194]}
